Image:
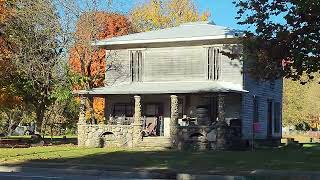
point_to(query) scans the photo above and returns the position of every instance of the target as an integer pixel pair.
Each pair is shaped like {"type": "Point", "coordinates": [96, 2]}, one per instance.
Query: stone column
{"type": "Point", "coordinates": [137, 125]}
{"type": "Point", "coordinates": [221, 108]}
{"type": "Point", "coordinates": [222, 129]}
{"type": "Point", "coordinates": [82, 114]}
{"type": "Point", "coordinates": [174, 121]}
{"type": "Point", "coordinates": [82, 122]}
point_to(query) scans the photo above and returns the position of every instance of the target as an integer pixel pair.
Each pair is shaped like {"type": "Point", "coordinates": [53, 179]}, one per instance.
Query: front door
{"type": "Point", "coordinates": [269, 123]}
{"type": "Point", "coordinates": [155, 110]}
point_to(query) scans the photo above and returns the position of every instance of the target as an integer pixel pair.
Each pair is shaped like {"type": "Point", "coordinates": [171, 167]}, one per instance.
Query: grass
{"type": "Point", "coordinates": [46, 137]}
{"type": "Point", "coordinates": [306, 158]}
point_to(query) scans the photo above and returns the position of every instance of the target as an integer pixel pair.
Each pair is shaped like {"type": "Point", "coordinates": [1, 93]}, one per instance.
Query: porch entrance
{"type": "Point", "coordinates": [153, 124]}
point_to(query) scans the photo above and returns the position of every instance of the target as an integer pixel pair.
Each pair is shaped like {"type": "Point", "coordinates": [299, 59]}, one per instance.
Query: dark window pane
{"type": "Point", "coordinates": [277, 116]}
{"type": "Point", "coordinates": [256, 109]}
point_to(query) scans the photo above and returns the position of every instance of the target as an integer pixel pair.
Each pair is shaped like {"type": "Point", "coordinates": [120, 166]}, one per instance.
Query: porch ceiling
{"type": "Point", "coordinates": [166, 88]}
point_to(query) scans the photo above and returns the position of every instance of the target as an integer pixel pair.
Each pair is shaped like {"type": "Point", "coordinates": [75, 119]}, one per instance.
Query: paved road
{"type": "Point", "coordinates": [26, 173]}
{"type": "Point", "coordinates": [36, 173]}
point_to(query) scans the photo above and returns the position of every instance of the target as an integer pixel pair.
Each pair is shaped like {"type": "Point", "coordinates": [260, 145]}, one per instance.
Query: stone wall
{"type": "Point", "coordinates": [193, 137]}
{"type": "Point", "coordinates": [105, 135]}
{"type": "Point", "coordinates": [216, 137]}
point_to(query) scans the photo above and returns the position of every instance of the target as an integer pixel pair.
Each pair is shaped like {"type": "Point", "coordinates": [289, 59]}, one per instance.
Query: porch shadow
{"type": "Point", "coordinates": [169, 163]}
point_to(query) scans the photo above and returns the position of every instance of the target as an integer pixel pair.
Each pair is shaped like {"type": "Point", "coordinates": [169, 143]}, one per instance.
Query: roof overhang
{"type": "Point", "coordinates": [107, 43]}
{"type": "Point", "coordinates": [166, 88]}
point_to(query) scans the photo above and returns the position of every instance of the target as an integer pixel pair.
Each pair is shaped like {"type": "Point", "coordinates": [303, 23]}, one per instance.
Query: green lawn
{"type": "Point", "coordinates": [306, 158]}
{"type": "Point", "coordinates": [46, 137]}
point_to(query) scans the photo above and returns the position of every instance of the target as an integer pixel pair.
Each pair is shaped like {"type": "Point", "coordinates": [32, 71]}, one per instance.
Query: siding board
{"type": "Point", "coordinates": [265, 92]}
{"type": "Point", "coordinates": [174, 64]}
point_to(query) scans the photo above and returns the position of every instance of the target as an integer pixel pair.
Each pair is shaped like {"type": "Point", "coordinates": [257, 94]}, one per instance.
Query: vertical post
{"type": "Point", "coordinates": [174, 121]}
{"type": "Point", "coordinates": [221, 108]}
{"type": "Point", "coordinates": [82, 122]}
{"type": "Point", "coordinates": [137, 125]}
{"type": "Point", "coordinates": [222, 130]}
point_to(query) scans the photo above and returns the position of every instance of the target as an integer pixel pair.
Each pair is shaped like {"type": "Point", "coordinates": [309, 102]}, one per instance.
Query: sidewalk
{"type": "Point", "coordinates": [114, 172]}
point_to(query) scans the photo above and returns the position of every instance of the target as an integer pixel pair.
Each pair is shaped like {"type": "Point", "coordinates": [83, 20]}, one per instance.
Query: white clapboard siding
{"type": "Point", "coordinates": [264, 91]}
{"type": "Point", "coordinates": [231, 69]}
{"type": "Point", "coordinates": [120, 68]}
{"type": "Point", "coordinates": [174, 64]}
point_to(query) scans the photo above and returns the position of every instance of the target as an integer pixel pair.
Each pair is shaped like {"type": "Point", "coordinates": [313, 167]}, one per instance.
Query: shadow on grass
{"type": "Point", "coordinates": [170, 162]}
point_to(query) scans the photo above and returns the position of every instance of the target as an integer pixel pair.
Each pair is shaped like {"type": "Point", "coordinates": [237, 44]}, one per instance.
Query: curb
{"type": "Point", "coordinates": [144, 174]}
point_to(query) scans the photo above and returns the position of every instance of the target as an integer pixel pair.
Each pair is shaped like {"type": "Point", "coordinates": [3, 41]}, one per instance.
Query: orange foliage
{"type": "Point", "coordinates": [7, 100]}
{"type": "Point", "coordinates": [98, 106]}
{"type": "Point", "coordinates": [5, 11]}
{"type": "Point", "coordinates": [93, 64]}
{"type": "Point", "coordinates": [7, 69]}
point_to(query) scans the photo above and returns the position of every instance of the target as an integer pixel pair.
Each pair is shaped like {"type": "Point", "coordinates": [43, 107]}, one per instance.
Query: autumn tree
{"type": "Point", "coordinates": [35, 34]}
{"type": "Point", "coordinates": [159, 14]}
{"type": "Point", "coordinates": [89, 61]}
{"type": "Point", "coordinates": [10, 103]}
{"type": "Point", "coordinates": [285, 40]}
{"type": "Point", "coordinates": [93, 21]}
{"type": "Point", "coordinates": [301, 103]}
{"type": "Point", "coordinates": [7, 70]}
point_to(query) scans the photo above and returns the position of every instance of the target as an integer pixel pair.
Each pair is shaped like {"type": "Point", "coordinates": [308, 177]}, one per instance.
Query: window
{"type": "Point", "coordinates": [277, 117]}
{"type": "Point", "coordinates": [255, 109]}
{"type": "Point", "coordinates": [214, 63]}
{"type": "Point", "coordinates": [123, 109]}
{"type": "Point", "coordinates": [136, 60]}
{"type": "Point", "coordinates": [152, 110]}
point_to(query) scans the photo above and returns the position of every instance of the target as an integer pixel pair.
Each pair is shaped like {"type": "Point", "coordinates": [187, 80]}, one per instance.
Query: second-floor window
{"type": "Point", "coordinates": [255, 109]}
{"type": "Point", "coordinates": [214, 63]}
{"type": "Point", "coordinates": [136, 61]}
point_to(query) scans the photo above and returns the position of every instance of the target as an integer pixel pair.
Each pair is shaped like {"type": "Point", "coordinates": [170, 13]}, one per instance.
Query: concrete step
{"type": "Point", "coordinates": [155, 142]}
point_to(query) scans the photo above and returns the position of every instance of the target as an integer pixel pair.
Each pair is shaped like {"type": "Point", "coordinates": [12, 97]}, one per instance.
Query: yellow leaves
{"type": "Point", "coordinates": [301, 103]}
{"type": "Point", "coordinates": [98, 108]}
{"type": "Point", "coordinates": [158, 14]}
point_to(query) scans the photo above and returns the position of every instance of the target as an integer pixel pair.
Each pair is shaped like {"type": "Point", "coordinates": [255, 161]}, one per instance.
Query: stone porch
{"type": "Point", "coordinates": [215, 135]}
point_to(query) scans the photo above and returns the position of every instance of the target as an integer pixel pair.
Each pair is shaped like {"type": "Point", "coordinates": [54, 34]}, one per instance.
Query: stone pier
{"type": "Point", "coordinates": [137, 125]}
{"type": "Point", "coordinates": [174, 121]}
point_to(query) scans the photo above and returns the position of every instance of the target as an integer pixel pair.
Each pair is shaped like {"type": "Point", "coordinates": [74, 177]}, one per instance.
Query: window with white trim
{"type": "Point", "coordinates": [214, 63]}
{"type": "Point", "coordinates": [136, 61]}
{"type": "Point", "coordinates": [255, 109]}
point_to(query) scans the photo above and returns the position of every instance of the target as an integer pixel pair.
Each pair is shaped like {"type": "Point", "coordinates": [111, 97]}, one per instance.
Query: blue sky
{"type": "Point", "coordinates": [223, 12]}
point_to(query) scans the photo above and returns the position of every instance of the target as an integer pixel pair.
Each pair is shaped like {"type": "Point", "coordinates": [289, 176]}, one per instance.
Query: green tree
{"type": "Point", "coordinates": [35, 33]}
{"type": "Point", "coordinates": [301, 103]}
{"type": "Point", "coordinates": [285, 42]}
{"type": "Point", "coordinates": [158, 14]}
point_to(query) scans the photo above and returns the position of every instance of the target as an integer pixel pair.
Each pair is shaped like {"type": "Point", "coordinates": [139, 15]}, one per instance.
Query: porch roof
{"type": "Point", "coordinates": [166, 88]}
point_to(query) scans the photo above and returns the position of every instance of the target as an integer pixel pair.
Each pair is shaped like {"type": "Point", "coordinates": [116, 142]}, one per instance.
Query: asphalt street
{"type": "Point", "coordinates": [27, 173]}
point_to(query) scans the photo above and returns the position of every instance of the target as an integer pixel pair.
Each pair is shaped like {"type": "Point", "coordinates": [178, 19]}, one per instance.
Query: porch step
{"type": "Point", "coordinates": [155, 142]}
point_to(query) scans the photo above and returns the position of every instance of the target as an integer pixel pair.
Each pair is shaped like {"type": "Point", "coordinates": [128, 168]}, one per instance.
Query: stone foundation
{"type": "Point", "coordinates": [217, 137]}
{"type": "Point", "coordinates": [105, 135]}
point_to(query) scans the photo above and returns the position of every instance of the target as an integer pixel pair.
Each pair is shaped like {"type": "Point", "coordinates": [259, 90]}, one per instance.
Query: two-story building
{"type": "Point", "coordinates": [169, 87]}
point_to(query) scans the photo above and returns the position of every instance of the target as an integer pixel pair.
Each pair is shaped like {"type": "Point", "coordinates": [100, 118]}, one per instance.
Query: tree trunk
{"type": "Point", "coordinates": [10, 124]}
{"type": "Point", "coordinates": [40, 117]}
{"type": "Point", "coordinates": [90, 104]}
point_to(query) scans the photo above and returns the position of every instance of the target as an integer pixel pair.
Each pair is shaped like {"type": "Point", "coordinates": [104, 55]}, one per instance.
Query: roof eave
{"type": "Point", "coordinates": [149, 41]}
